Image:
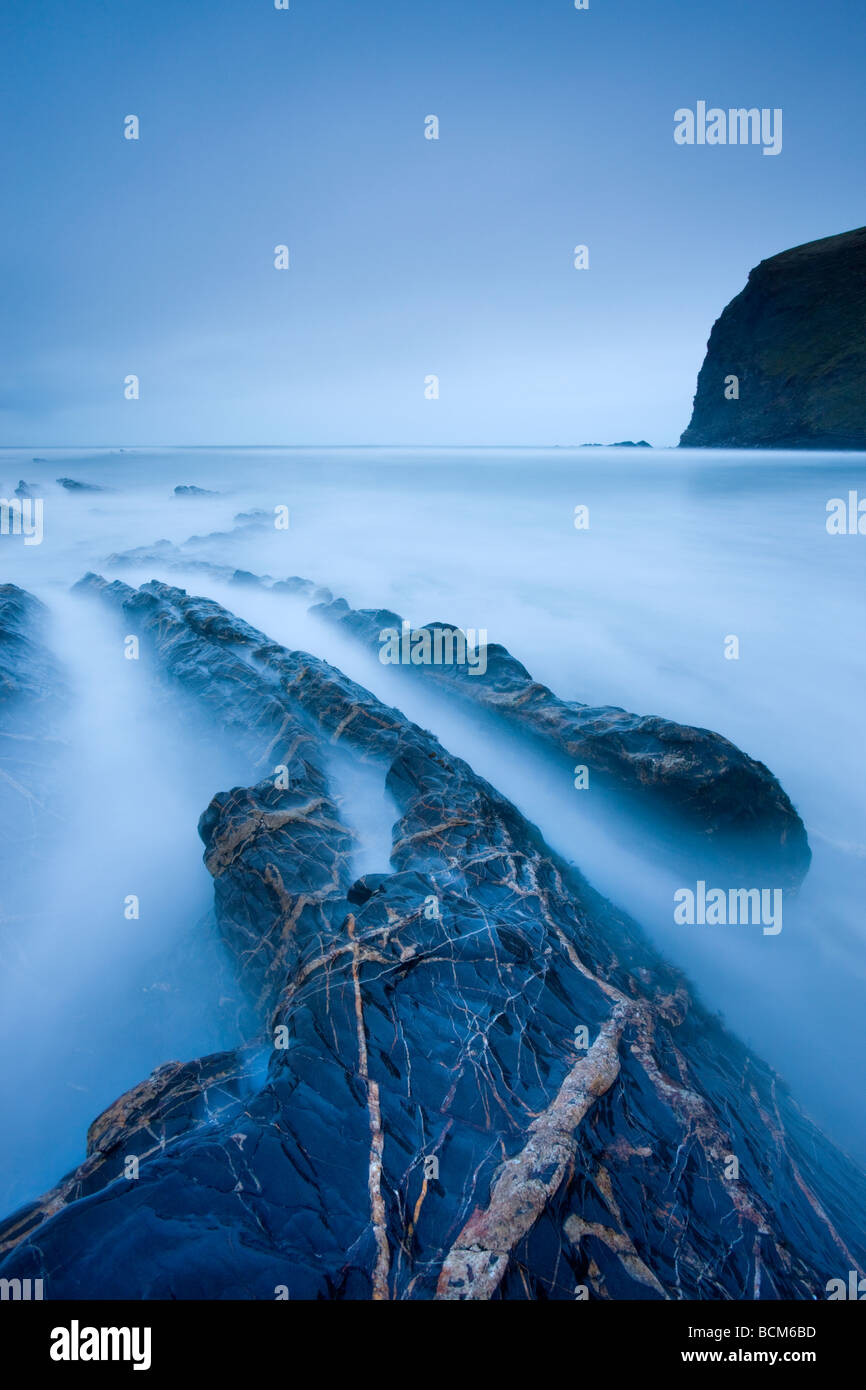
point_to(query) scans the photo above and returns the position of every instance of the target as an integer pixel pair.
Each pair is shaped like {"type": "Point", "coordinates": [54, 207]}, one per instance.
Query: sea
{"type": "Point", "coordinates": [704, 586]}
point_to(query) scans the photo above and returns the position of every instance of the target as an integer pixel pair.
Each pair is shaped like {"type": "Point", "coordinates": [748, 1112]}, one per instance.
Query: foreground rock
{"type": "Point", "coordinates": [482, 1082]}
{"type": "Point", "coordinates": [795, 339]}
{"type": "Point", "coordinates": [694, 775]}
{"type": "Point", "coordinates": [171, 1102]}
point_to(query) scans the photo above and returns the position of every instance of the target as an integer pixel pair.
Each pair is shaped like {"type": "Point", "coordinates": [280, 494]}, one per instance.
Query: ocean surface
{"type": "Point", "coordinates": [684, 549]}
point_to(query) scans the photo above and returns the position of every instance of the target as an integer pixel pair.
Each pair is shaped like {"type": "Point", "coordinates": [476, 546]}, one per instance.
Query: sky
{"type": "Point", "coordinates": [409, 258]}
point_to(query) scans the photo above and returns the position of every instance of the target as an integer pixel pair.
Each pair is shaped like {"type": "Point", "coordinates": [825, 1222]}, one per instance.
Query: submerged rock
{"type": "Point", "coordinates": [243, 524]}
{"type": "Point", "coordinates": [72, 485]}
{"type": "Point", "coordinates": [701, 782]}
{"type": "Point", "coordinates": [692, 774]}
{"type": "Point", "coordinates": [786, 361]}
{"type": "Point", "coordinates": [698, 780]}
{"type": "Point", "coordinates": [482, 1080]}
{"type": "Point", "coordinates": [294, 586]}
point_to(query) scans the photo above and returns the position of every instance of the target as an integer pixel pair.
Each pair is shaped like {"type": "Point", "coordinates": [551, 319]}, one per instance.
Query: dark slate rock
{"type": "Point", "coordinates": [429, 1013]}
{"type": "Point", "coordinates": [72, 485]}
{"type": "Point", "coordinates": [32, 693]}
{"type": "Point", "coordinates": [795, 337]}
{"type": "Point", "coordinates": [694, 775]}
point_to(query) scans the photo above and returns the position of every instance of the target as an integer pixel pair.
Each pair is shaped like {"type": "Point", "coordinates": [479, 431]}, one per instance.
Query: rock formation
{"type": "Point", "coordinates": [697, 777]}
{"type": "Point", "coordinates": [31, 687]}
{"type": "Point", "coordinates": [786, 362]}
{"type": "Point", "coordinates": [73, 485]}
{"type": "Point", "coordinates": [481, 1080]}
{"type": "Point", "coordinates": [708, 788]}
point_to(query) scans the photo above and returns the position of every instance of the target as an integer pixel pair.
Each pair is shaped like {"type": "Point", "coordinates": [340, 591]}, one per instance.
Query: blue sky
{"type": "Point", "coordinates": [409, 257]}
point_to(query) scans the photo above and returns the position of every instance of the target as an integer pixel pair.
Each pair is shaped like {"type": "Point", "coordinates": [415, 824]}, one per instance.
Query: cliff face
{"type": "Point", "coordinates": [795, 338]}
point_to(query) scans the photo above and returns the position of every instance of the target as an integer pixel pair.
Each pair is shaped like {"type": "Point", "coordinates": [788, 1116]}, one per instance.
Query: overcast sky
{"type": "Point", "coordinates": [408, 257]}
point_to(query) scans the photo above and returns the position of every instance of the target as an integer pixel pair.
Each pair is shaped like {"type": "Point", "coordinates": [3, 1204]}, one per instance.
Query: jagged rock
{"type": "Point", "coordinates": [175, 1099]}
{"type": "Point", "coordinates": [696, 776]}
{"type": "Point", "coordinates": [72, 485]}
{"type": "Point", "coordinates": [144, 554]}
{"type": "Point", "coordinates": [244, 523]}
{"type": "Point", "coordinates": [28, 671]}
{"type": "Point", "coordinates": [795, 339]}
{"type": "Point", "coordinates": [248, 832]}
{"type": "Point", "coordinates": [706, 785]}
{"type": "Point", "coordinates": [168, 556]}
{"type": "Point", "coordinates": [26, 489]}
{"type": "Point", "coordinates": [436, 1125]}
{"type": "Point", "coordinates": [294, 586]}
{"type": "Point", "coordinates": [31, 693]}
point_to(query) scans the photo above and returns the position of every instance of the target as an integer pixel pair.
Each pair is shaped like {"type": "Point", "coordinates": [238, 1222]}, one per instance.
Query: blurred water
{"type": "Point", "coordinates": [683, 550]}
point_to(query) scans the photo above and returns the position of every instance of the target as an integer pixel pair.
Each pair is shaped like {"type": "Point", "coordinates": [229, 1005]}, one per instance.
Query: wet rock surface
{"type": "Point", "coordinates": [31, 692]}
{"type": "Point", "coordinates": [481, 1080]}
{"type": "Point", "coordinates": [709, 789]}
{"type": "Point", "coordinates": [693, 774]}
{"type": "Point", "coordinates": [175, 1099]}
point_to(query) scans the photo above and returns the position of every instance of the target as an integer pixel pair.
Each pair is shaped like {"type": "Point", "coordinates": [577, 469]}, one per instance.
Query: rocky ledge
{"type": "Point", "coordinates": [701, 788]}
{"type": "Point", "coordinates": [700, 779]}
{"type": "Point", "coordinates": [481, 1081]}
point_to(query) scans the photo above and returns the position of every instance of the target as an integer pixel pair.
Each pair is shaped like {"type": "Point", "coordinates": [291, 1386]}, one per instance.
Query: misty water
{"type": "Point", "coordinates": [683, 550]}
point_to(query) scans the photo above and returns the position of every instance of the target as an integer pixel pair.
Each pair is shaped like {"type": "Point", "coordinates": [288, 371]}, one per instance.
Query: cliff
{"type": "Point", "coordinates": [795, 339]}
